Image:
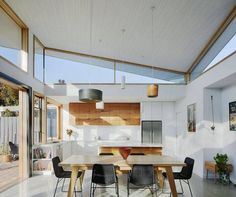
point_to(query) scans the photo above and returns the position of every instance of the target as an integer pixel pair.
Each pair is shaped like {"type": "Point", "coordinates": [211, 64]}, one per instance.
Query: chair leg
{"type": "Point", "coordinates": [181, 186]}
{"type": "Point", "coordinates": [91, 185]}
{"type": "Point", "coordinates": [63, 185]}
{"type": "Point", "coordinates": [117, 189]}
{"type": "Point", "coordinates": [56, 188]}
{"type": "Point", "coordinates": [189, 188]}
{"type": "Point", "coordinates": [128, 188]}
{"type": "Point", "coordinates": [94, 187]}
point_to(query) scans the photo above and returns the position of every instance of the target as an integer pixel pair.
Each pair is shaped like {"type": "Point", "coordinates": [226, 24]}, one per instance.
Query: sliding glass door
{"type": "Point", "coordinates": [14, 134]}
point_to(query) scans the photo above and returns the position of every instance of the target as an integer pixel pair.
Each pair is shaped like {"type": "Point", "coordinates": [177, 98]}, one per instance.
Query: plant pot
{"type": "Point", "coordinates": [6, 158]}
{"type": "Point", "coordinates": [125, 152]}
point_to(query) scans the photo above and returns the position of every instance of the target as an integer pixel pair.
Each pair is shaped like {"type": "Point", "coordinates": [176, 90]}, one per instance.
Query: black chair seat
{"type": "Point", "coordinates": [103, 175]}
{"type": "Point", "coordinates": [142, 176]}
{"type": "Point", "coordinates": [177, 175]}
{"type": "Point", "coordinates": [67, 174]}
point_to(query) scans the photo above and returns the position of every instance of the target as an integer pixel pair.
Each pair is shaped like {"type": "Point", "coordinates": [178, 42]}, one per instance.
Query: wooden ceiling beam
{"type": "Point", "coordinates": [10, 12]}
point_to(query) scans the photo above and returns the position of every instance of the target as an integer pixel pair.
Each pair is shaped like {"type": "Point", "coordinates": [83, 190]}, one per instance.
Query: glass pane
{"type": "Point", "coordinates": [229, 48]}
{"type": "Point", "coordinates": [10, 39]}
{"type": "Point", "coordinates": [139, 74]}
{"type": "Point", "coordinates": [38, 60]}
{"type": "Point", "coordinates": [223, 46]}
{"type": "Point", "coordinates": [76, 69]}
{"type": "Point", "coordinates": [37, 126]}
{"type": "Point", "coordinates": [52, 122]}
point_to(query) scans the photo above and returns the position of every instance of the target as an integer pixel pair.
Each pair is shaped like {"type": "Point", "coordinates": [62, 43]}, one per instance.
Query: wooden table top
{"type": "Point", "coordinates": [89, 160]}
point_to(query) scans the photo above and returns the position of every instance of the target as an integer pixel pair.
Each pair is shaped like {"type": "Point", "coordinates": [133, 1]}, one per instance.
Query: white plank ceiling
{"type": "Point", "coordinates": [122, 29]}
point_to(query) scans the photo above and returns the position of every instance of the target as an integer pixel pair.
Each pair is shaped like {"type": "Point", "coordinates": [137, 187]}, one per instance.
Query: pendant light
{"type": "Point", "coordinates": [123, 82]}
{"type": "Point", "coordinates": [152, 89]}
{"type": "Point", "coordinates": [90, 95]}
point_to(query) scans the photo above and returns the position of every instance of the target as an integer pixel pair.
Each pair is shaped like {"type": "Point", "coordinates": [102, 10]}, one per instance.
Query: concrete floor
{"type": "Point", "coordinates": [43, 186]}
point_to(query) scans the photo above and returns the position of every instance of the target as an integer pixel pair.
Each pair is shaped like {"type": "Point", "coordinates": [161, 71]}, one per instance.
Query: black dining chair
{"type": "Point", "coordinates": [185, 174]}
{"type": "Point", "coordinates": [106, 154]}
{"type": "Point", "coordinates": [103, 176]}
{"type": "Point", "coordinates": [136, 154]}
{"type": "Point", "coordinates": [61, 174]}
{"type": "Point", "coordinates": [142, 176]}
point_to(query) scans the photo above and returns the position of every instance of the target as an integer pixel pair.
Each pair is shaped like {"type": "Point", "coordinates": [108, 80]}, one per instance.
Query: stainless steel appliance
{"type": "Point", "coordinates": [152, 131]}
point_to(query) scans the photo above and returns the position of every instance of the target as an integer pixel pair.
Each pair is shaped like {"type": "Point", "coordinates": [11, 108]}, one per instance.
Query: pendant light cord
{"type": "Point", "coordinates": [212, 113]}
{"type": "Point", "coordinates": [90, 35]}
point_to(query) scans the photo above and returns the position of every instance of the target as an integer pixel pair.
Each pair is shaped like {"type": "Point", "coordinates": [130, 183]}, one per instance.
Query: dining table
{"type": "Point", "coordinates": [85, 162]}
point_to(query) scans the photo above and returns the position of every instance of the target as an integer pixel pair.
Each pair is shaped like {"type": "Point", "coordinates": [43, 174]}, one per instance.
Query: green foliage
{"type": "Point", "coordinates": [221, 159]}
{"type": "Point", "coordinates": [8, 113]}
{"type": "Point", "coordinates": [8, 96]}
{"type": "Point", "coordinates": [221, 162]}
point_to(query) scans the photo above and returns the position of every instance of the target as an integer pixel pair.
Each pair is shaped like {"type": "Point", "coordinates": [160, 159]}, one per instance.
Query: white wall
{"type": "Point", "coordinates": [229, 137]}
{"type": "Point", "coordinates": [205, 143]}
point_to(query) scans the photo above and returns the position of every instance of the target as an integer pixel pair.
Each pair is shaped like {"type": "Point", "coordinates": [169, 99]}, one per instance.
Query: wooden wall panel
{"type": "Point", "coordinates": [113, 114]}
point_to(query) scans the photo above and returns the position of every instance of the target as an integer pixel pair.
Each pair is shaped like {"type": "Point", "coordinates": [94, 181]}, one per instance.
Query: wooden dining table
{"type": "Point", "coordinates": [85, 162]}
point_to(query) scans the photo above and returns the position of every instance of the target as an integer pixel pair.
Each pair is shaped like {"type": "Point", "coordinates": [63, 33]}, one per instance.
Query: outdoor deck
{"type": "Point", "coordinates": [9, 173]}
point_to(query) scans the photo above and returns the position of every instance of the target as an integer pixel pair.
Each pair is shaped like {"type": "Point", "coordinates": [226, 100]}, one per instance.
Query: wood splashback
{"type": "Point", "coordinates": [112, 114]}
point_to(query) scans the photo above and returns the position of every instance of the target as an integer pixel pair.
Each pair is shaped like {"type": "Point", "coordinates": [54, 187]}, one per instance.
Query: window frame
{"type": "Point", "coordinates": [35, 39]}
{"type": "Point", "coordinates": [59, 136]}
{"type": "Point", "coordinates": [41, 140]}
{"type": "Point", "coordinates": [24, 37]}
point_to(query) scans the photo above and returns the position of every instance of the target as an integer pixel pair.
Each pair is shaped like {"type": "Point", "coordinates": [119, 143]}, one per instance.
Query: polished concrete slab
{"type": "Point", "coordinates": [43, 186]}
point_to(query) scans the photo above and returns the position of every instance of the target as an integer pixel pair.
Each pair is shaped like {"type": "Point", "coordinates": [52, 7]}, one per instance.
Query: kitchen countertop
{"type": "Point", "coordinates": [128, 144]}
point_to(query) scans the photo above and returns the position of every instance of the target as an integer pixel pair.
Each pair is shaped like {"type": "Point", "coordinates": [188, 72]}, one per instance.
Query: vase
{"type": "Point", "coordinates": [124, 152]}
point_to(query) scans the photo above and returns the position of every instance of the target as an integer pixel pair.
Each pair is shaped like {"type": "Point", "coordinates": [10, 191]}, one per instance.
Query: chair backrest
{"type": "Point", "coordinates": [103, 174]}
{"type": "Point", "coordinates": [58, 170]}
{"type": "Point", "coordinates": [137, 154]}
{"type": "Point", "coordinates": [14, 148]}
{"type": "Point", "coordinates": [106, 154]}
{"type": "Point", "coordinates": [187, 170]}
{"type": "Point", "coordinates": [142, 175]}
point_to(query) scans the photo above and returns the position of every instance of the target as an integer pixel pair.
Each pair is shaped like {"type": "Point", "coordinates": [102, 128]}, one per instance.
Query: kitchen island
{"type": "Point", "coordinates": [136, 147]}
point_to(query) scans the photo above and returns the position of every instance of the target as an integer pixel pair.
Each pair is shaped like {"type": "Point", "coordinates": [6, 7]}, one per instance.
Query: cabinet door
{"type": "Point", "coordinates": [156, 132]}
{"type": "Point", "coordinates": [146, 132]}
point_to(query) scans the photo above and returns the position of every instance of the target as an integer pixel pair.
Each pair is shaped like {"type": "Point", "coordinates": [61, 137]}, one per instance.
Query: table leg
{"type": "Point", "coordinates": [81, 178]}
{"type": "Point", "coordinates": [207, 175]}
{"type": "Point", "coordinates": [171, 180]}
{"type": "Point", "coordinates": [74, 174]}
{"type": "Point", "coordinates": [160, 178]}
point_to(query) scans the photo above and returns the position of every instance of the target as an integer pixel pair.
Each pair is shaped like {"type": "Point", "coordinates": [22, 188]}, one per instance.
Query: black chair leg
{"type": "Point", "coordinates": [128, 188]}
{"type": "Point", "coordinates": [189, 188]}
{"type": "Point", "coordinates": [56, 188]}
{"type": "Point", "coordinates": [181, 186]}
{"type": "Point", "coordinates": [117, 189]}
{"type": "Point", "coordinates": [63, 185]}
{"type": "Point", "coordinates": [91, 187]}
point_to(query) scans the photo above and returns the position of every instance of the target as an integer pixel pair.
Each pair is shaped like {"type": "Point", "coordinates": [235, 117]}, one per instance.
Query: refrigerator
{"type": "Point", "coordinates": [152, 131]}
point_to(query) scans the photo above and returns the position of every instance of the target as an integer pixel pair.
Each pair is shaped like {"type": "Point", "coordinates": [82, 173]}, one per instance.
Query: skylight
{"type": "Point", "coordinates": [229, 48]}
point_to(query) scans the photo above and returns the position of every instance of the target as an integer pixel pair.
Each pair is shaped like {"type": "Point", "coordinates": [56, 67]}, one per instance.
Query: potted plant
{"type": "Point", "coordinates": [222, 167]}
{"type": "Point", "coordinates": [69, 132]}
{"type": "Point", "coordinates": [5, 153]}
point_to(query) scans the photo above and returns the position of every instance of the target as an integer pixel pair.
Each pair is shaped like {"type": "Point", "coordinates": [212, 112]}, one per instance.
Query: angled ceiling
{"type": "Point", "coordinates": [123, 29]}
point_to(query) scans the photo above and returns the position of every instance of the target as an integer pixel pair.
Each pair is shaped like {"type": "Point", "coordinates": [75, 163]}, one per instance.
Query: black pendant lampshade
{"type": "Point", "coordinates": [90, 95]}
